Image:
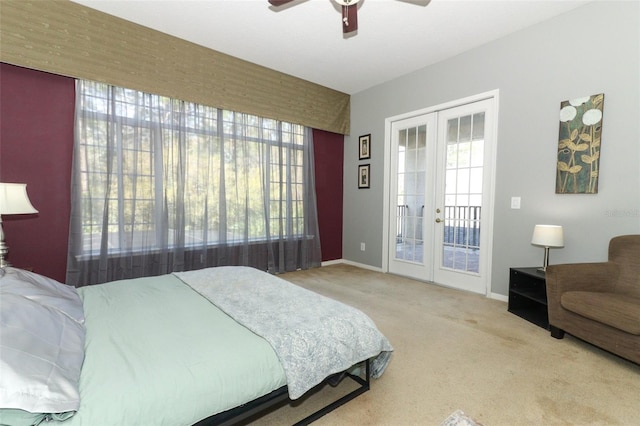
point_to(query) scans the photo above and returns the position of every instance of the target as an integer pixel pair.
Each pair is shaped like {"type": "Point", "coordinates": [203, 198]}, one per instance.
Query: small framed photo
{"type": "Point", "coordinates": [364, 151]}
{"type": "Point", "coordinates": [363, 176]}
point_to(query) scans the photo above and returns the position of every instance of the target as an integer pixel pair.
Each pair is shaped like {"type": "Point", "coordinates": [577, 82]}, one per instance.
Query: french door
{"type": "Point", "coordinates": [440, 185]}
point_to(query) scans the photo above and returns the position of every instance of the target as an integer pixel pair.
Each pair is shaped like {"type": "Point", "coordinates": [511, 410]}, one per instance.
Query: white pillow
{"type": "Point", "coordinates": [41, 343]}
{"type": "Point", "coordinates": [44, 290]}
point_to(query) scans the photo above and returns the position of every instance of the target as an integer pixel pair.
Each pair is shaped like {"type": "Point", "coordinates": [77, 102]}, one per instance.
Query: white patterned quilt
{"type": "Point", "coordinates": [313, 336]}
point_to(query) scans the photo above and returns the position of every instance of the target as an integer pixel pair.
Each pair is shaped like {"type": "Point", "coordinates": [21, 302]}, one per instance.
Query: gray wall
{"type": "Point", "coordinates": [590, 50]}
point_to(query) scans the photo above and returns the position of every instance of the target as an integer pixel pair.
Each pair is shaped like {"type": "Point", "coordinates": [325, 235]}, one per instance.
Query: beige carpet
{"type": "Point", "coordinates": [455, 350]}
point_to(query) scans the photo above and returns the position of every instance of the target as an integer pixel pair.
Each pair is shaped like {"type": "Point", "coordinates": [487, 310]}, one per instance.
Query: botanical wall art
{"type": "Point", "coordinates": [363, 176]}
{"type": "Point", "coordinates": [579, 145]}
{"type": "Point", "coordinates": [364, 147]}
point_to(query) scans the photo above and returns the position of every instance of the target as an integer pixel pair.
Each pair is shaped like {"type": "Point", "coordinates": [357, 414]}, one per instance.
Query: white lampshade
{"type": "Point", "coordinates": [548, 236]}
{"type": "Point", "coordinates": [14, 199]}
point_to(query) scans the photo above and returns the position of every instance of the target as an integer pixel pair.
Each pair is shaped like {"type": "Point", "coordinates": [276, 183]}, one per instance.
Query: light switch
{"type": "Point", "coordinates": [515, 202]}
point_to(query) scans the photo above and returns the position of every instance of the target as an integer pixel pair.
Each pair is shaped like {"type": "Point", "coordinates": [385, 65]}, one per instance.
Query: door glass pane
{"type": "Point", "coordinates": [477, 153]}
{"type": "Point", "coordinates": [476, 180]}
{"type": "Point", "coordinates": [463, 180]}
{"type": "Point", "coordinates": [452, 156]}
{"type": "Point", "coordinates": [465, 129]}
{"type": "Point", "coordinates": [411, 175]}
{"type": "Point", "coordinates": [452, 130]}
{"type": "Point", "coordinates": [464, 154]}
{"type": "Point", "coordinates": [450, 181]}
{"type": "Point", "coordinates": [478, 126]}
{"type": "Point", "coordinates": [463, 193]}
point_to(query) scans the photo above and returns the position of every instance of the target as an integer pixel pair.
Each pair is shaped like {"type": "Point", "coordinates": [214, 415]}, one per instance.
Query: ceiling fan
{"type": "Point", "coordinates": [349, 13]}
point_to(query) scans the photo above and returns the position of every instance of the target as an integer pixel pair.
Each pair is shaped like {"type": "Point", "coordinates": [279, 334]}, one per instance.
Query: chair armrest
{"type": "Point", "coordinates": [595, 276]}
{"type": "Point", "coordinates": [599, 277]}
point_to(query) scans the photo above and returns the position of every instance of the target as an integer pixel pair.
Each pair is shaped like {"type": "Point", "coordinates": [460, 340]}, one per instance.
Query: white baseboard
{"type": "Point", "coordinates": [352, 263]}
{"type": "Point", "coordinates": [332, 262]}
{"type": "Point", "coordinates": [496, 296]}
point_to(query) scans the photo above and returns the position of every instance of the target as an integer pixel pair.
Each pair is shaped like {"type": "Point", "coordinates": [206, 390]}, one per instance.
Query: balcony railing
{"type": "Point", "coordinates": [461, 224]}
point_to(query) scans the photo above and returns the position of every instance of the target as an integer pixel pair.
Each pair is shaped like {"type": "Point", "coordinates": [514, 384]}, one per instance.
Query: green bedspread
{"type": "Point", "coordinates": [157, 353]}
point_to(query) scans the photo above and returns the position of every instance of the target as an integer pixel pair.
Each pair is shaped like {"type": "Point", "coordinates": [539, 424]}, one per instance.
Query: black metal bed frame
{"type": "Point", "coordinates": [280, 396]}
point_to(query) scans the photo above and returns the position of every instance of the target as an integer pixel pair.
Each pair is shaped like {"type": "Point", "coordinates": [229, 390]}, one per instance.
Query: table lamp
{"type": "Point", "coordinates": [547, 236]}
{"type": "Point", "coordinates": [13, 200]}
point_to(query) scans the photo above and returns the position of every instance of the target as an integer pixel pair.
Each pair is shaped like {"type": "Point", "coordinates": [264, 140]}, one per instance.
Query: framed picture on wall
{"type": "Point", "coordinates": [364, 147]}
{"type": "Point", "coordinates": [579, 140]}
{"type": "Point", "coordinates": [363, 176]}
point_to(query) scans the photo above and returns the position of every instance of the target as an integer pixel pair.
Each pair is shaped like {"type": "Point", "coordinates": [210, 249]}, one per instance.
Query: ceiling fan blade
{"type": "Point", "coordinates": [279, 2]}
{"type": "Point", "coordinates": [349, 18]}
{"type": "Point", "coordinates": [422, 3]}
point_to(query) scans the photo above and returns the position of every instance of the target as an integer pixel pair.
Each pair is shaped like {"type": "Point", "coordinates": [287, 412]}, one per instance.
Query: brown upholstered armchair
{"type": "Point", "coordinates": [599, 302]}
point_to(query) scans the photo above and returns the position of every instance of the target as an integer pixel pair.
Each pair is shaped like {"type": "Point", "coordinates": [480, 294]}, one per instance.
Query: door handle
{"type": "Point", "coordinates": [438, 220]}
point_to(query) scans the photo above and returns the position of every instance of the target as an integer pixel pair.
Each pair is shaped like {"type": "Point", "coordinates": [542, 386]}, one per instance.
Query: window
{"type": "Point", "coordinates": [155, 173]}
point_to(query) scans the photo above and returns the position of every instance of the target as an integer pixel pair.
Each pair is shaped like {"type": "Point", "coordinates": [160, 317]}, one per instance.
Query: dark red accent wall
{"type": "Point", "coordinates": [328, 150]}
{"type": "Point", "coordinates": [36, 143]}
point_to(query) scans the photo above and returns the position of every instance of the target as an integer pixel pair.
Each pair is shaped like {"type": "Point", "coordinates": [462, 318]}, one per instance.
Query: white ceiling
{"type": "Point", "coordinates": [305, 39]}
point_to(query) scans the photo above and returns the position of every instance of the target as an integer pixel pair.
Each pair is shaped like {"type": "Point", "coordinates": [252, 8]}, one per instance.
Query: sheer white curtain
{"type": "Point", "coordinates": [162, 185]}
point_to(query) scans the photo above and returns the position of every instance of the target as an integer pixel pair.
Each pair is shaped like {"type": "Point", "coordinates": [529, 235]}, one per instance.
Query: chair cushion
{"type": "Point", "coordinates": [616, 310]}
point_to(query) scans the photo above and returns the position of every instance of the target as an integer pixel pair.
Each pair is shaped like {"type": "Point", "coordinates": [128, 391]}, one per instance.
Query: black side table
{"type": "Point", "coordinates": [528, 295]}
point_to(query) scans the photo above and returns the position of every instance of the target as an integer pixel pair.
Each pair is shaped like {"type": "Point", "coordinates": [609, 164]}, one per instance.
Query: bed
{"type": "Point", "coordinates": [212, 346]}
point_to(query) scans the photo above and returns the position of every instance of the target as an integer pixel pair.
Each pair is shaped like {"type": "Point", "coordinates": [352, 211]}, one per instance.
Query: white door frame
{"type": "Point", "coordinates": [488, 215]}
